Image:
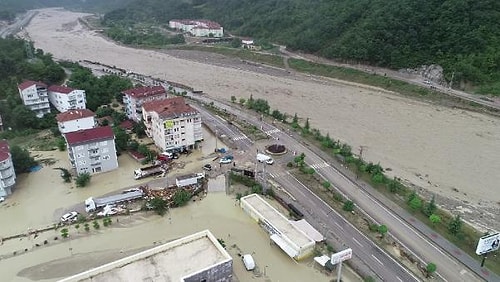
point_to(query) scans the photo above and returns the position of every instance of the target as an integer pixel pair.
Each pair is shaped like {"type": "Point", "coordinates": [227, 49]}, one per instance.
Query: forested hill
{"type": "Point", "coordinates": [463, 36]}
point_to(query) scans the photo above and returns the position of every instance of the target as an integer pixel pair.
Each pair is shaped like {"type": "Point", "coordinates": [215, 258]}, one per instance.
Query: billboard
{"type": "Point", "coordinates": [341, 256]}
{"type": "Point", "coordinates": [488, 243]}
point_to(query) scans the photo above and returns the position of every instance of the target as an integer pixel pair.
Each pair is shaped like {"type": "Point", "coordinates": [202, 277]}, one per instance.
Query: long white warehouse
{"type": "Point", "coordinates": [287, 236]}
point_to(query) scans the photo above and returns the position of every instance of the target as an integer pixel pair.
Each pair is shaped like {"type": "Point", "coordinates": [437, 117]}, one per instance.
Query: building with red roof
{"type": "Point", "coordinates": [134, 98]}
{"type": "Point", "coordinates": [35, 96]}
{"type": "Point", "coordinates": [65, 98]}
{"type": "Point", "coordinates": [74, 120]}
{"type": "Point", "coordinates": [92, 150]}
{"type": "Point", "coordinates": [173, 124]}
{"type": "Point", "coordinates": [200, 28]}
{"type": "Point", "coordinates": [7, 172]}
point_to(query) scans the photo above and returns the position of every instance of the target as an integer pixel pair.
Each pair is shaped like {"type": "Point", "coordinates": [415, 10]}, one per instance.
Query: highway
{"type": "Point", "coordinates": [411, 234]}
{"type": "Point", "coordinates": [18, 24]}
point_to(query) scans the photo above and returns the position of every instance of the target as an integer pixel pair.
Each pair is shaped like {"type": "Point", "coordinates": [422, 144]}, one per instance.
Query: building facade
{"type": "Point", "coordinates": [172, 124]}
{"type": "Point", "coordinates": [74, 120]}
{"type": "Point", "coordinates": [35, 96]}
{"type": "Point", "coordinates": [134, 98]}
{"type": "Point", "coordinates": [64, 98]}
{"type": "Point", "coordinates": [92, 150]}
{"type": "Point", "coordinates": [200, 28]}
{"type": "Point", "coordinates": [7, 172]}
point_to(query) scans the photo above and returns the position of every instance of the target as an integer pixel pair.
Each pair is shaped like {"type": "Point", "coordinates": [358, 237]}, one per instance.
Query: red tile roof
{"type": "Point", "coordinates": [29, 83]}
{"type": "Point", "coordinates": [127, 125]}
{"type": "Point", "coordinates": [145, 91]}
{"type": "Point", "coordinates": [169, 108]}
{"type": "Point", "coordinates": [74, 114]}
{"type": "Point", "coordinates": [60, 89]}
{"type": "Point", "coordinates": [89, 135]}
{"type": "Point", "coordinates": [4, 150]}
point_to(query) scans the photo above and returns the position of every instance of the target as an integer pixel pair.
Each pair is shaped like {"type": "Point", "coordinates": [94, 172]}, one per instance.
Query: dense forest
{"type": "Point", "coordinates": [463, 36]}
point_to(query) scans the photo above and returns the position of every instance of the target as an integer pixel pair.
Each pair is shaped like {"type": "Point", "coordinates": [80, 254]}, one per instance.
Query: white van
{"type": "Point", "coordinates": [248, 262]}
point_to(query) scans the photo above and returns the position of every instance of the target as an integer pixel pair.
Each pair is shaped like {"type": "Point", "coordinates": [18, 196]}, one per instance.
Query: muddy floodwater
{"type": "Point", "coordinates": [41, 198]}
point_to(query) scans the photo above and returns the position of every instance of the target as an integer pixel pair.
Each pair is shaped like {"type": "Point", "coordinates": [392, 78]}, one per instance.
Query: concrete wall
{"type": "Point", "coordinates": [222, 272]}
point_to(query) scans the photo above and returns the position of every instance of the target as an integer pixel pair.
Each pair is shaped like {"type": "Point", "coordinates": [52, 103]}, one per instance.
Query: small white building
{"type": "Point", "coordinates": [35, 96]}
{"type": "Point", "coordinates": [200, 28]}
{"type": "Point", "coordinates": [7, 172]}
{"type": "Point", "coordinates": [291, 239]}
{"type": "Point", "coordinates": [173, 124]}
{"type": "Point", "coordinates": [65, 98]}
{"type": "Point", "coordinates": [92, 150]}
{"type": "Point", "coordinates": [74, 120]}
{"type": "Point", "coordinates": [134, 98]}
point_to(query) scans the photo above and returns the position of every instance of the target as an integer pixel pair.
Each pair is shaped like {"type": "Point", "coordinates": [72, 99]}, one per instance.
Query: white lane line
{"type": "Point", "coordinates": [375, 258]}
{"type": "Point", "coordinates": [337, 224]}
{"type": "Point", "coordinates": [399, 278]}
{"type": "Point", "coordinates": [357, 242]}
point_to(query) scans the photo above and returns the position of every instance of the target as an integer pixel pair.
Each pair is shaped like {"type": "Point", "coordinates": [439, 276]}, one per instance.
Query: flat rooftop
{"type": "Point", "coordinates": [169, 262]}
{"type": "Point", "coordinates": [278, 220]}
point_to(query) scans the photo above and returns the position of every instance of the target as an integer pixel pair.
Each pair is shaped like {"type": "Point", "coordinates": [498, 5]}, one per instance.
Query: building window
{"type": "Point", "coordinates": [106, 157]}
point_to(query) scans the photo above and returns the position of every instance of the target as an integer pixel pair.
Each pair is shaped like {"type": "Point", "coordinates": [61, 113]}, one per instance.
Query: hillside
{"type": "Point", "coordinates": [463, 36]}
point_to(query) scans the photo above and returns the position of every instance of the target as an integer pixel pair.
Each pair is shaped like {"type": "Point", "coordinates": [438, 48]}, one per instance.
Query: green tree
{"type": "Point", "coordinates": [65, 174]}
{"type": "Point", "coordinates": [65, 232]}
{"type": "Point", "coordinates": [242, 101]}
{"type": "Point", "coordinates": [455, 225]}
{"type": "Point", "coordinates": [348, 206]}
{"type": "Point", "coordinates": [233, 99]}
{"type": "Point", "coordinates": [61, 144]}
{"type": "Point", "coordinates": [21, 159]}
{"type": "Point", "coordinates": [181, 197]}
{"type": "Point", "coordinates": [382, 230]}
{"type": "Point", "coordinates": [159, 205]}
{"type": "Point", "coordinates": [430, 207]}
{"type": "Point", "coordinates": [416, 203]}
{"type": "Point", "coordinates": [236, 42]}
{"type": "Point", "coordinates": [121, 139]}
{"type": "Point", "coordinates": [430, 268]}
{"type": "Point", "coordinates": [295, 119]}
{"type": "Point", "coordinates": [435, 219]}
{"type": "Point", "coordinates": [326, 184]}
{"type": "Point", "coordinates": [307, 125]}
{"type": "Point", "coordinates": [412, 196]}
{"type": "Point", "coordinates": [83, 179]}
{"type": "Point", "coordinates": [394, 186]}
{"type": "Point", "coordinates": [96, 224]}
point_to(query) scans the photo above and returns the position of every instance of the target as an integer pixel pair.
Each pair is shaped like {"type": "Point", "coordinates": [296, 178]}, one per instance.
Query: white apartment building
{"type": "Point", "coordinates": [35, 97]}
{"type": "Point", "coordinates": [7, 172]}
{"type": "Point", "coordinates": [65, 98]}
{"type": "Point", "coordinates": [134, 98]}
{"type": "Point", "coordinates": [200, 28]}
{"type": "Point", "coordinates": [173, 124]}
{"type": "Point", "coordinates": [92, 150]}
{"type": "Point", "coordinates": [74, 120]}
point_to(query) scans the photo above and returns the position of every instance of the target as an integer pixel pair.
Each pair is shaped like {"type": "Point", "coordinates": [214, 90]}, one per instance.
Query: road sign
{"type": "Point", "coordinates": [488, 243]}
{"type": "Point", "coordinates": [341, 256]}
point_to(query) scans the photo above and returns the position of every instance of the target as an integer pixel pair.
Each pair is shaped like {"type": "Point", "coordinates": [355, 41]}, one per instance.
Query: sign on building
{"type": "Point", "coordinates": [341, 256]}
{"type": "Point", "coordinates": [488, 243]}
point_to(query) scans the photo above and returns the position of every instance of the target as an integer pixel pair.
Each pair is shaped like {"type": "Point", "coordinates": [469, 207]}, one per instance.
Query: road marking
{"type": "Point", "coordinates": [272, 131]}
{"type": "Point", "coordinates": [357, 242]}
{"type": "Point", "coordinates": [239, 138]}
{"type": "Point", "coordinates": [320, 165]}
{"type": "Point", "coordinates": [399, 278]}
{"type": "Point", "coordinates": [375, 258]}
{"type": "Point", "coordinates": [337, 224]}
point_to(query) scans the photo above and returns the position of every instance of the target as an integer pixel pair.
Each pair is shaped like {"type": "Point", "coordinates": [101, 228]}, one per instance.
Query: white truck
{"type": "Point", "coordinates": [190, 179]}
{"type": "Point", "coordinates": [91, 204]}
{"type": "Point", "coordinates": [150, 171]}
{"type": "Point", "coordinates": [264, 159]}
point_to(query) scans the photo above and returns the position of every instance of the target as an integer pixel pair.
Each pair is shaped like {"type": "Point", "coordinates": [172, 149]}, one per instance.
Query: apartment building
{"type": "Point", "coordinates": [172, 124]}
{"type": "Point", "coordinates": [200, 28]}
{"type": "Point", "coordinates": [35, 96]}
{"type": "Point", "coordinates": [7, 172]}
{"type": "Point", "coordinates": [65, 98]}
{"type": "Point", "coordinates": [74, 120]}
{"type": "Point", "coordinates": [133, 99]}
{"type": "Point", "coordinates": [92, 150]}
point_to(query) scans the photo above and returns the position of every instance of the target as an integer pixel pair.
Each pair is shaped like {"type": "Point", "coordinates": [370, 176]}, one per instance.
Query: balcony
{"type": "Point", "coordinates": [6, 174]}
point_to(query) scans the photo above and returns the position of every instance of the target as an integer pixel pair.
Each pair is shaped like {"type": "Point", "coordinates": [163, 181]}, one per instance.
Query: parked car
{"type": "Point", "coordinates": [70, 217]}
{"type": "Point", "coordinates": [207, 167]}
{"type": "Point", "coordinates": [225, 161]}
{"type": "Point", "coordinates": [2, 199]}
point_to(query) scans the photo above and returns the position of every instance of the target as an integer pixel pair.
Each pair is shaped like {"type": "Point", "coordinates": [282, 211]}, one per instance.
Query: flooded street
{"type": "Point", "coordinates": [41, 197]}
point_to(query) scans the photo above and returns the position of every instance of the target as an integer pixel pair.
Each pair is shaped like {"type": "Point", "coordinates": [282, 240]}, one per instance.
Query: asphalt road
{"type": "Point", "coordinates": [453, 265]}
{"type": "Point", "coordinates": [18, 24]}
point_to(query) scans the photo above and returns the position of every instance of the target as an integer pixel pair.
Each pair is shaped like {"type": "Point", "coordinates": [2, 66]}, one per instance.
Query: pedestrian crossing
{"type": "Point", "coordinates": [272, 131]}
{"type": "Point", "coordinates": [277, 174]}
{"type": "Point", "coordinates": [239, 138]}
{"type": "Point", "coordinates": [320, 165]}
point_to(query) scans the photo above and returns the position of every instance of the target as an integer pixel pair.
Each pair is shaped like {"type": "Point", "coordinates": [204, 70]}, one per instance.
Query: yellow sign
{"type": "Point", "coordinates": [168, 124]}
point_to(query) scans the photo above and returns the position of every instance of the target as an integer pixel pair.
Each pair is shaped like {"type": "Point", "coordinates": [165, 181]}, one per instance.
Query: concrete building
{"type": "Point", "coordinates": [74, 120]}
{"type": "Point", "coordinates": [136, 97]}
{"type": "Point", "coordinates": [194, 258]}
{"type": "Point", "coordinates": [92, 150]}
{"type": "Point", "coordinates": [7, 172]}
{"type": "Point", "coordinates": [293, 241]}
{"type": "Point", "coordinates": [200, 28]}
{"type": "Point", "coordinates": [173, 124]}
{"type": "Point", "coordinates": [64, 98]}
{"type": "Point", "coordinates": [35, 96]}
